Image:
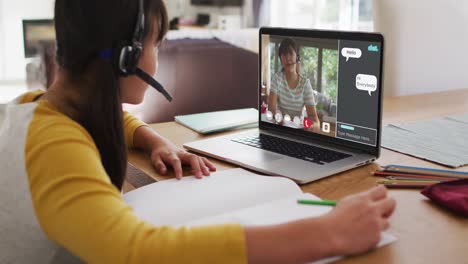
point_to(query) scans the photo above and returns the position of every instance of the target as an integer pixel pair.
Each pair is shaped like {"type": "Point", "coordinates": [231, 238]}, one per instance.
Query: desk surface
{"type": "Point", "coordinates": [426, 233]}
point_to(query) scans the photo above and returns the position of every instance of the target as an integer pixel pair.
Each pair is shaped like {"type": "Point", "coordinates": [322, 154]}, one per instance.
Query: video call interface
{"type": "Point", "coordinates": [324, 86]}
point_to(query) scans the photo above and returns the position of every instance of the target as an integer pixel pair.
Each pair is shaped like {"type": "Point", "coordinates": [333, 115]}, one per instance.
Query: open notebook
{"type": "Point", "coordinates": [228, 196]}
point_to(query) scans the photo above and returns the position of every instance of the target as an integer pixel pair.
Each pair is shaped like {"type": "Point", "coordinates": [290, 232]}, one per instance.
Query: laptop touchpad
{"type": "Point", "coordinates": [254, 156]}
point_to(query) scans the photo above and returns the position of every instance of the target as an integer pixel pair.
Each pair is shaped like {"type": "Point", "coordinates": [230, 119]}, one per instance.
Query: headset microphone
{"type": "Point", "coordinates": [130, 55]}
{"type": "Point", "coordinates": [151, 81]}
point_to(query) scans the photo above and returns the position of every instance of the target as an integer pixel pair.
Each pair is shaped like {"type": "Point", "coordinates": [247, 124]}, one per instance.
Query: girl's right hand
{"type": "Point", "coordinates": [353, 227]}
{"type": "Point", "coordinates": [357, 221]}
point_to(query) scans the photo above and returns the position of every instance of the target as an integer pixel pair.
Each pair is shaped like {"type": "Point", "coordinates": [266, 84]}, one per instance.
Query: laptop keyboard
{"type": "Point", "coordinates": [291, 148]}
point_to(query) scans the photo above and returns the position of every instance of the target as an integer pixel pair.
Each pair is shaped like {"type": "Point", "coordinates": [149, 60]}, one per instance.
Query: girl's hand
{"type": "Point", "coordinates": [357, 221]}
{"type": "Point", "coordinates": [167, 154]}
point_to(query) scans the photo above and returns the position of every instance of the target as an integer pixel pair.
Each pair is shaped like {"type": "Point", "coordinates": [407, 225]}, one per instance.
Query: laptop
{"type": "Point", "coordinates": [320, 106]}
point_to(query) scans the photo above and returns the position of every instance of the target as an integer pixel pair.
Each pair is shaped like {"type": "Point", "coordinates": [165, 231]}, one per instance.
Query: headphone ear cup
{"type": "Point", "coordinates": [124, 60]}
{"type": "Point", "coordinates": [137, 51]}
{"type": "Point", "coordinates": [128, 60]}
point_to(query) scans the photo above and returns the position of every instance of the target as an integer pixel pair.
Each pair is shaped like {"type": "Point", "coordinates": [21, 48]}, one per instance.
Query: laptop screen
{"type": "Point", "coordinates": [325, 84]}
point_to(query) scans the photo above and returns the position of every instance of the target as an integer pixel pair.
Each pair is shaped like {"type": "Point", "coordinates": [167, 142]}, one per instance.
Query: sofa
{"type": "Point", "coordinates": [203, 75]}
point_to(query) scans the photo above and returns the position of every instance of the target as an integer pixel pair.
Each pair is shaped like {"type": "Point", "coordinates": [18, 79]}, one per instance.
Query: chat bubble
{"type": "Point", "coordinates": [351, 53]}
{"type": "Point", "coordinates": [366, 82]}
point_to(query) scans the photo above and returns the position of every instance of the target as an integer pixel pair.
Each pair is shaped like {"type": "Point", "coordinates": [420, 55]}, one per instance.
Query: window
{"type": "Point", "coordinates": [324, 14]}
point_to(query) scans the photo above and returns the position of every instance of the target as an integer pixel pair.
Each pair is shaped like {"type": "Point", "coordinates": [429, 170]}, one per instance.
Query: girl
{"type": "Point", "coordinates": [290, 91]}
{"type": "Point", "coordinates": [64, 155]}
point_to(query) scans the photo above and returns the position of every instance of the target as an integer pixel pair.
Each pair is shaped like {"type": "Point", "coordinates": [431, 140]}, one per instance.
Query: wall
{"type": "Point", "coordinates": [178, 8]}
{"type": "Point", "coordinates": [2, 50]}
{"type": "Point", "coordinates": [12, 61]}
{"type": "Point", "coordinates": [426, 44]}
{"type": "Point", "coordinates": [12, 14]}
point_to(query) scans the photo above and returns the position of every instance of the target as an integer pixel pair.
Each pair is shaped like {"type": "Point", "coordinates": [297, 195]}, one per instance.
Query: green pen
{"type": "Point", "coordinates": [317, 202]}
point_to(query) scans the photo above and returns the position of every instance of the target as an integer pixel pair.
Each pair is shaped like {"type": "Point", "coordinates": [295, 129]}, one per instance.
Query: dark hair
{"type": "Point", "coordinates": [288, 45]}
{"type": "Point", "coordinates": [83, 29]}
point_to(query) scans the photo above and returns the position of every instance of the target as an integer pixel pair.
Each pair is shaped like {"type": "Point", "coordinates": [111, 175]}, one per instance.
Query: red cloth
{"type": "Point", "coordinates": [452, 195]}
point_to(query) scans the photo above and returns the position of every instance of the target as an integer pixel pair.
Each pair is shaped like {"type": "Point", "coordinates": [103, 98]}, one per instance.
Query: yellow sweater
{"type": "Point", "coordinates": [77, 206]}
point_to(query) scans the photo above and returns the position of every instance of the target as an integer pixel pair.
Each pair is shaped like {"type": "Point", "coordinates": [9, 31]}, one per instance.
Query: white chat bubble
{"type": "Point", "coordinates": [351, 53]}
{"type": "Point", "coordinates": [366, 82]}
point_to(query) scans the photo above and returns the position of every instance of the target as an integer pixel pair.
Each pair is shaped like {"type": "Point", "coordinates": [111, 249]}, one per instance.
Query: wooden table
{"type": "Point", "coordinates": [426, 233]}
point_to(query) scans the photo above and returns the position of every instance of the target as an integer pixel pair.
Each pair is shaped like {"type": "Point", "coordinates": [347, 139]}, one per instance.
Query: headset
{"type": "Point", "coordinates": [130, 55]}
{"type": "Point", "coordinates": [298, 57]}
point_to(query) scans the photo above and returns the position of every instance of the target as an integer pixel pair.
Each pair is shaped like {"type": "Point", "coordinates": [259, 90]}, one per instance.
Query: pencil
{"type": "Point", "coordinates": [422, 176]}
{"type": "Point", "coordinates": [427, 172]}
{"type": "Point", "coordinates": [317, 202]}
{"type": "Point", "coordinates": [406, 182]}
{"type": "Point", "coordinates": [415, 179]}
{"type": "Point", "coordinates": [406, 186]}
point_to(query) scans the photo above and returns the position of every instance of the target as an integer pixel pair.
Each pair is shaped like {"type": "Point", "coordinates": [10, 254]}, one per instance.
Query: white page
{"type": "Point", "coordinates": [274, 212]}
{"type": "Point", "coordinates": [174, 202]}
{"type": "Point", "coordinates": [459, 118]}
{"type": "Point", "coordinates": [385, 239]}
{"type": "Point", "coordinates": [277, 212]}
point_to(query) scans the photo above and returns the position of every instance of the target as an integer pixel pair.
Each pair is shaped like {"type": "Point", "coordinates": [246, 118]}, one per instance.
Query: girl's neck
{"type": "Point", "coordinates": [292, 78]}
{"type": "Point", "coordinates": [68, 97]}
{"type": "Point", "coordinates": [291, 74]}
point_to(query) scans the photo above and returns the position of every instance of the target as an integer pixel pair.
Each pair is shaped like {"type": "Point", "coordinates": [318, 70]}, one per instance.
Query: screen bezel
{"type": "Point", "coordinates": [325, 34]}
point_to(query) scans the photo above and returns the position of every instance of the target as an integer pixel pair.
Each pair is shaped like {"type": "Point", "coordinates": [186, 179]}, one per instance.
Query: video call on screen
{"type": "Point", "coordinates": [324, 86]}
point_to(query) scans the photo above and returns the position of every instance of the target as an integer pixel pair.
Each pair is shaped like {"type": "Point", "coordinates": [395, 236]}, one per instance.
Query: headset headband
{"type": "Point", "coordinates": [140, 24]}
